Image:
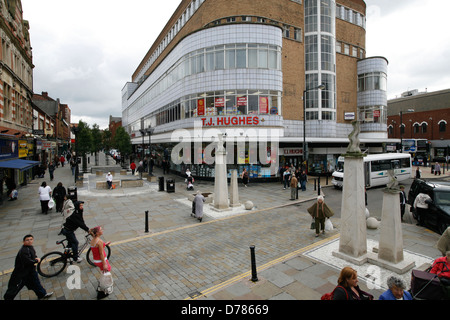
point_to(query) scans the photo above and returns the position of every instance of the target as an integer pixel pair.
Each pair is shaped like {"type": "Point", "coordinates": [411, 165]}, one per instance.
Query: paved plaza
{"type": "Point", "coordinates": [183, 259]}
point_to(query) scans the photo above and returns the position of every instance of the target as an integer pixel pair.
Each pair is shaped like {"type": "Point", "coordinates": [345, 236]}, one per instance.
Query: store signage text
{"type": "Point", "coordinates": [230, 121]}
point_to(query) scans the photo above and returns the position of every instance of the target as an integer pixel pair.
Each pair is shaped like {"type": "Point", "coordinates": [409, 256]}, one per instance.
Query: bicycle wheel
{"type": "Point", "coordinates": [52, 264]}
{"type": "Point", "coordinates": [90, 257]}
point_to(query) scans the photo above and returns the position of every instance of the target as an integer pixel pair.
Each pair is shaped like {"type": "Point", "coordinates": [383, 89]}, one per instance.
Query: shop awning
{"type": "Point", "coordinates": [19, 164]}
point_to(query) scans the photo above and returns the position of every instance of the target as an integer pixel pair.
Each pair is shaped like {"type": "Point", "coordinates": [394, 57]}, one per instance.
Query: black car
{"type": "Point", "coordinates": [438, 215]}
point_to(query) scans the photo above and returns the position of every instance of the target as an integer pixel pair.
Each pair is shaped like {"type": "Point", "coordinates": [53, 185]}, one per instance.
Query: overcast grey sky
{"type": "Point", "coordinates": [85, 51]}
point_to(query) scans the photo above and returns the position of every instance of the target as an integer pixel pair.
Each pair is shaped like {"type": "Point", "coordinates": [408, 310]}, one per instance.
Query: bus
{"type": "Point", "coordinates": [414, 146]}
{"type": "Point", "coordinates": [376, 168]}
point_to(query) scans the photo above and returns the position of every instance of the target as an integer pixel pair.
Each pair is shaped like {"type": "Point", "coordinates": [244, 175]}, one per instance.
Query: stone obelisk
{"type": "Point", "coordinates": [353, 239]}
{"type": "Point", "coordinates": [220, 180]}
{"type": "Point", "coordinates": [234, 192]}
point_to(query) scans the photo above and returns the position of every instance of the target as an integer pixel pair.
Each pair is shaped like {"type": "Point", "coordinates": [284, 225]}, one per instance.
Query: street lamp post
{"type": "Point", "coordinates": [305, 152]}
{"type": "Point", "coordinates": [75, 131]}
{"type": "Point", "coordinates": [143, 132]}
{"type": "Point", "coordinates": [150, 132]}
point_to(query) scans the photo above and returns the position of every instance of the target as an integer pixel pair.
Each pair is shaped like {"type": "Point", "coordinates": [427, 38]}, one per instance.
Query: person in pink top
{"type": "Point", "coordinates": [99, 255]}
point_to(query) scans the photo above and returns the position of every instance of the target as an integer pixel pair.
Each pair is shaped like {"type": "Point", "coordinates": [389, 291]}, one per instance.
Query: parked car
{"type": "Point", "coordinates": [438, 215]}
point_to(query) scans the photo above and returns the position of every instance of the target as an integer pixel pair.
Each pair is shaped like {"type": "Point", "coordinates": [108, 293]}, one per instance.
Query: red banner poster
{"type": "Point", "coordinates": [219, 102]}
{"type": "Point", "coordinates": [263, 105]}
{"type": "Point", "coordinates": [201, 107]}
{"type": "Point", "coordinates": [241, 101]}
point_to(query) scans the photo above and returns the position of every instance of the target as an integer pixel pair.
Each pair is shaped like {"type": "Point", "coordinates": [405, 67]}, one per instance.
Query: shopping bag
{"type": "Point", "coordinates": [51, 203]}
{"type": "Point", "coordinates": [106, 282]}
{"type": "Point", "coordinates": [328, 225]}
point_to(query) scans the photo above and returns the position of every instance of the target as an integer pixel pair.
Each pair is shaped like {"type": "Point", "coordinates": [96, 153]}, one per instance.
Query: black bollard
{"type": "Point", "coordinates": [146, 221]}
{"type": "Point", "coordinates": [252, 253]}
{"type": "Point", "coordinates": [318, 186]}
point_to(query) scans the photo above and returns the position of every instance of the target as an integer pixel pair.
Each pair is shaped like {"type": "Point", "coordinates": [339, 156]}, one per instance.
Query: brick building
{"type": "Point", "coordinates": [228, 66]}
{"type": "Point", "coordinates": [16, 89]}
{"type": "Point", "coordinates": [423, 115]}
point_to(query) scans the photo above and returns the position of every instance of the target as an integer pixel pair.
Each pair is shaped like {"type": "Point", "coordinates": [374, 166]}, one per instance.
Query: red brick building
{"type": "Point", "coordinates": [422, 116]}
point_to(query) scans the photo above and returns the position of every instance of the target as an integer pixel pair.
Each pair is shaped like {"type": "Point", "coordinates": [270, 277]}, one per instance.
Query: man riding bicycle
{"type": "Point", "coordinates": [72, 223]}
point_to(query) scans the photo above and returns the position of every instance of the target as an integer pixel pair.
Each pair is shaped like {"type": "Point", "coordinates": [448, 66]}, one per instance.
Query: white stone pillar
{"type": "Point", "coordinates": [353, 239]}
{"type": "Point", "coordinates": [391, 237]}
{"type": "Point", "coordinates": [220, 180]}
{"type": "Point", "coordinates": [234, 192]}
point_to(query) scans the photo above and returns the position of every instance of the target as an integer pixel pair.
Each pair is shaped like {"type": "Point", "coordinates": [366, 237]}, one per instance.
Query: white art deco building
{"type": "Point", "coordinates": [243, 68]}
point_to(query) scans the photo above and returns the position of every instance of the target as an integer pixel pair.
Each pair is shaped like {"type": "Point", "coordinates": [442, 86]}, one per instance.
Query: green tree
{"type": "Point", "coordinates": [97, 143]}
{"type": "Point", "coordinates": [84, 142]}
{"type": "Point", "coordinates": [107, 140]}
{"type": "Point", "coordinates": [122, 142]}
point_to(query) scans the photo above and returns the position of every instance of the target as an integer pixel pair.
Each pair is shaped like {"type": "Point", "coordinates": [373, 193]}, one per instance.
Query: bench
{"type": "Point", "coordinates": [125, 183]}
{"type": "Point", "coordinates": [132, 183]}
{"type": "Point", "coordinates": [104, 185]}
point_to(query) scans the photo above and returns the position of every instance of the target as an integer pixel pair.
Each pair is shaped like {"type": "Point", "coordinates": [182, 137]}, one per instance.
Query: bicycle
{"type": "Point", "coordinates": [53, 263]}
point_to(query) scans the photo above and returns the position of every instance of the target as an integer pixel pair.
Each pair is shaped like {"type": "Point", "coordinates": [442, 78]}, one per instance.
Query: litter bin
{"type": "Point", "coordinates": [161, 183]}
{"type": "Point", "coordinates": [72, 193]}
{"type": "Point", "coordinates": [170, 185]}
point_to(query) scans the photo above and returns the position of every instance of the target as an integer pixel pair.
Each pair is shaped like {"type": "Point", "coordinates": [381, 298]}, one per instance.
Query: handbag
{"type": "Point", "coordinates": [313, 224]}
{"type": "Point", "coordinates": [106, 282]}
{"type": "Point", "coordinates": [51, 203]}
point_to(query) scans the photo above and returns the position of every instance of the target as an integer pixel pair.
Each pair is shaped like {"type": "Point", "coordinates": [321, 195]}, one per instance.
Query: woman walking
{"type": "Point", "coordinates": [319, 211]}
{"type": "Point", "coordinates": [45, 193]}
{"type": "Point", "coordinates": [100, 259]}
{"type": "Point", "coordinates": [59, 192]}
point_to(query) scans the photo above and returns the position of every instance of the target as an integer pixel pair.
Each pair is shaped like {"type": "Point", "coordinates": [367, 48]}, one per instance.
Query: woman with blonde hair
{"type": "Point", "coordinates": [347, 288]}
{"type": "Point", "coordinates": [100, 259]}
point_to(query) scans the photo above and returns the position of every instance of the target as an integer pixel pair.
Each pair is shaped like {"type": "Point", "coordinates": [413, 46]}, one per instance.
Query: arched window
{"type": "Point", "coordinates": [424, 127]}
{"type": "Point", "coordinates": [442, 125]}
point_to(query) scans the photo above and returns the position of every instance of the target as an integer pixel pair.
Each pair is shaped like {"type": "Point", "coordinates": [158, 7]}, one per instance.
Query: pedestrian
{"type": "Point", "coordinates": [294, 185]}
{"type": "Point", "coordinates": [44, 196]}
{"type": "Point", "coordinates": [443, 243]}
{"type": "Point", "coordinates": [73, 222]}
{"type": "Point", "coordinates": [347, 288]}
{"type": "Point", "coordinates": [418, 173]}
{"type": "Point", "coordinates": [437, 169]}
{"type": "Point", "coordinates": [133, 167]}
{"type": "Point", "coordinates": [303, 179]}
{"type": "Point", "coordinates": [51, 170]}
{"type": "Point", "coordinates": [402, 201]}
{"type": "Point", "coordinates": [67, 210]}
{"type": "Point", "coordinates": [73, 165]}
{"type": "Point", "coordinates": [320, 211]}
{"type": "Point", "coordinates": [151, 164]}
{"type": "Point", "coordinates": [245, 177]}
{"type": "Point", "coordinates": [441, 266]}
{"type": "Point", "coordinates": [109, 179]}
{"type": "Point", "coordinates": [62, 160]}
{"type": "Point", "coordinates": [421, 206]}
{"type": "Point", "coordinates": [396, 290]}
{"type": "Point", "coordinates": [58, 194]}
{"type": "Point", "coordinates": [24, 273]}
{"type": "Point", "coordinates": [13, 195]}
{"type": "Point", "coordinates": [286, 177]}
{"type": "Point", "coordinates": [140, 169]}
{"type": "Point", "coordinates": [100, 258]}
{"type": "Point", "coordinates": [198, 202]}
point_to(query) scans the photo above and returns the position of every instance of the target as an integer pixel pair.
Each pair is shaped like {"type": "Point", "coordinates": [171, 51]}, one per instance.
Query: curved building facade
{"type": "Point", "coordinates": [232, 67]}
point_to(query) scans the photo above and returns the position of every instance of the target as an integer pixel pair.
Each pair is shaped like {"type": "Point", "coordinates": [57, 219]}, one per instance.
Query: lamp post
{"type": "Point", "coordinates": [305, 152]}
{"type": "Point", "coordinates": [150, 130]}
{"type": "Point", "coordinates": [75, 131]}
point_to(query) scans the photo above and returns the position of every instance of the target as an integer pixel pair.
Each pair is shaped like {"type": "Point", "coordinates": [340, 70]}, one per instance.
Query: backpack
{"type": "Point", "coordinates": [329, 295]}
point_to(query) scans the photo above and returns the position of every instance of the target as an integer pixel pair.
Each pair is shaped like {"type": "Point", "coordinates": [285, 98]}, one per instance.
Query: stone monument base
{"type": "Point", "coordinates": [372, 258]}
